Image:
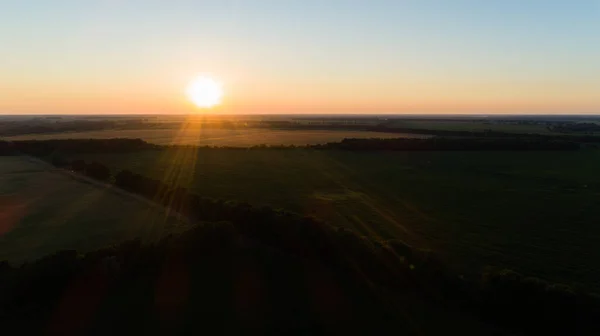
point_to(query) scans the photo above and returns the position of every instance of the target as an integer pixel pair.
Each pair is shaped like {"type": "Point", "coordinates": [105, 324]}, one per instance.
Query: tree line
{"type": "Point", "coordinates": [49, 147]}
{"type": "Point", "coordinates": [587, 128]}
{"type": "Point", "coordinates": [486, 134]}
{"type": "Point", "coordinates": [42, 148]}
{"type": "Point", "coordinates": [450, 144]}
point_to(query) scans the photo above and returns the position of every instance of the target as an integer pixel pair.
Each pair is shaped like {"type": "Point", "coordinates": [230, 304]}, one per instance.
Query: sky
{"type": "Point", "coordinates": [305, 56]}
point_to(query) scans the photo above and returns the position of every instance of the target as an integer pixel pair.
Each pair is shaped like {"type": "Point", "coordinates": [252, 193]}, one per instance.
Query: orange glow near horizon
{"type": "Point", "coordinates": [252, 93]}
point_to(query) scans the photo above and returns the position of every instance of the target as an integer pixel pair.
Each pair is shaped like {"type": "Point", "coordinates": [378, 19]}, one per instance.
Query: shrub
{"type": "Point", "coordinates": [59, 161]}
{"type": "Point", "coordinates": [97, 171]}
{"type": "Point", "coordinates": [532, 304]}
{"type": "Point", "coordinates": [78, 166]}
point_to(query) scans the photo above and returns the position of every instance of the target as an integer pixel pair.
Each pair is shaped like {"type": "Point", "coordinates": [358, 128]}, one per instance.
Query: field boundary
{"type": "Point", "coordinates": [110, 187]}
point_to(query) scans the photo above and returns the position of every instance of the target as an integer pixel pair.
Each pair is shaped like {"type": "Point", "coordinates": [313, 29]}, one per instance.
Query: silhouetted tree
{"type": "Point", "coordinates": [7, 148]}
{"type": "Point", "coordinates": [59, 161]}
{"type": "Point", "coordinates": [97, 171]}
{"type": "Point", "coordinates": [78, 166]}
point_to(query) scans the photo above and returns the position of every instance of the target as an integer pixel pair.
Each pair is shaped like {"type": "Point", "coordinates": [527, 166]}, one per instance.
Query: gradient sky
{"type": "Point", "coordinates": [313, 56]}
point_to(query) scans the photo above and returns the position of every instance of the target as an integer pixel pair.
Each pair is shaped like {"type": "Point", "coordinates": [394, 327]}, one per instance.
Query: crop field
{"type": "Point", "coordinates": [220, 137]}
{"type": "Point", "coordinates": [43, 210]}
{"type": "Point", "coordinates": [534, 212]}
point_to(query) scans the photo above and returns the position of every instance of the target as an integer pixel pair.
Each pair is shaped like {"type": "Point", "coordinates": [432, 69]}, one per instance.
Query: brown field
{"type": "Point", "coordinates": [43, 210]}
{"type": "Point", "coordinates": [220, 137]}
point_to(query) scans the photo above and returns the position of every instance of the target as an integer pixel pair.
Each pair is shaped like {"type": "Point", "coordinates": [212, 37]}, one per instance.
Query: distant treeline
{"type": "Point", "coordinates": [7, 149]}
{"type": "Point", "coordinates": [450, 144]}
{"type": "Point", "coordinates": [576, 128]}
{"type": "Point", "coordinates": [48, 147]}
{"type": "Point", "coordinates": [74, 146]}
{"type": "Point", "coordinates": [53, 126]}
{"type": "Point", "coordinates": [502, 297]}
{"type": "Point", "coordinates": [487, 134]}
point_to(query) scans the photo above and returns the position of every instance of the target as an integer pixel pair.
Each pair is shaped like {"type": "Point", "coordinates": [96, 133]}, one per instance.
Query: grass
{"type": "Point", "coordinates": [534, 212]}
{"type": "Point", "coordinates": [219, 137]}
{"type": "Point", "coordinates": [43, 210]}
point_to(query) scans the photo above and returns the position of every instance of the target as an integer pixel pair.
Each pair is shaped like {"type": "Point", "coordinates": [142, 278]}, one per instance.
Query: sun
{"type": "Point", "coordinates": [205, 92]}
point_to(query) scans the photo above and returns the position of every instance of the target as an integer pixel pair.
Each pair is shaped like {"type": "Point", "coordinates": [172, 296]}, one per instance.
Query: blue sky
{"type": "Point", "coordinates": [303, 55]}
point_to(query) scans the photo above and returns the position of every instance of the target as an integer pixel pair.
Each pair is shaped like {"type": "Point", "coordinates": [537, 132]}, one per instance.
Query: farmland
{"type": "Point", "coordinates": [45, 209]}
{"type": "Point", "coordinates": [434, 212]}
{"type": "Point", "coordinates": [220, 137]}
{"type": "Point", "coordinates": [471, 126]}
{"type": "Point", "coordinates": [525, 211]}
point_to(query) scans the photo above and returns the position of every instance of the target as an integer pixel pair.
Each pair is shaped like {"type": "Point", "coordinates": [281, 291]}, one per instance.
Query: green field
{"type": "Point", "coordinates": [43, 209]}
{"type": "Point", "coordinates": [535, 212]}
{"type": "Point", "coordinates": [220, 137]}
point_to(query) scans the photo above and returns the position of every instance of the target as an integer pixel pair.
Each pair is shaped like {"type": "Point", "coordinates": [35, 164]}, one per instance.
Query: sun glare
{"type": "Point", "coordinates": [205, 92]}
